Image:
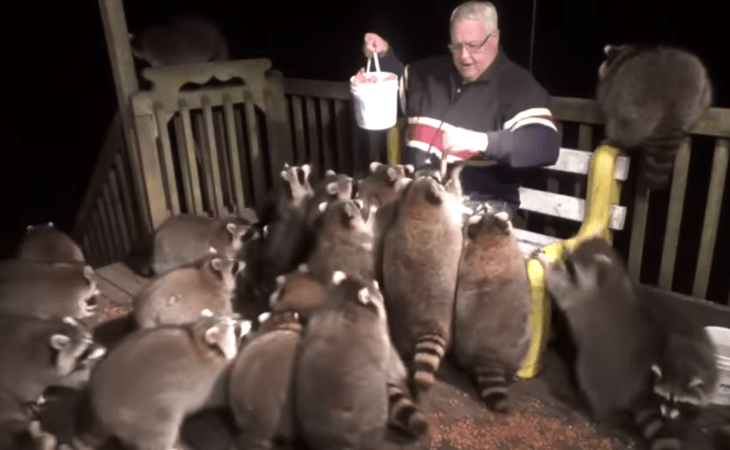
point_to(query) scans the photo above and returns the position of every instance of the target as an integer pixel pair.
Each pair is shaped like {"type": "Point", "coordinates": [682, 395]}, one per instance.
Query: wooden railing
{"type": "Point", "coordinates": [217, 150]}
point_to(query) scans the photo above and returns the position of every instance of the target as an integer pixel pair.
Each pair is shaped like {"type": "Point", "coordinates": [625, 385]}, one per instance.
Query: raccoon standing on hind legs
{"type": "Point", "coordinates": [651, 97]}
{"type": "Point", "coordinates": [420, 267]}
{"type": "Point", "coordinates": [492, 308]}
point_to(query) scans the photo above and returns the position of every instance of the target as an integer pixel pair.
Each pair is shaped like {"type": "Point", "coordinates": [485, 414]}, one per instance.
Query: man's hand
{"type": "Point", "coordinates": [374, 43]}
{"type": "Point", "coordinates": [464, 144]}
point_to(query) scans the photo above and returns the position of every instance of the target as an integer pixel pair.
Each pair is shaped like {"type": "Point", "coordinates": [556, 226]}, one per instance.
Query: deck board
{"type": "Point", "coordinates": [544, 412]}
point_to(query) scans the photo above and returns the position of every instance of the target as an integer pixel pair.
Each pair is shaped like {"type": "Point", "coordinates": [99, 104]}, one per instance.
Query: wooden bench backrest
{"type": "Point", "coordinates": [566, 206]}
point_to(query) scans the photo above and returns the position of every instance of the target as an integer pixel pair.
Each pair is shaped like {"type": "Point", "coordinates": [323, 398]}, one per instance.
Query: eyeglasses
{"type": "Point", "coordinates": [470, 48]}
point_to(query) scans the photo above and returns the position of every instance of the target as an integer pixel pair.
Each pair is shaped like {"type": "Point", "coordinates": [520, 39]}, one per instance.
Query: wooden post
{"type": "Point", "coordinates": [125, 82]}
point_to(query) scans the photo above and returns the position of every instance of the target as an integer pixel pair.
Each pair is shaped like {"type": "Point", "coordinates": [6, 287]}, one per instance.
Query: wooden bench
{"type": "Point", "coordinates": [598, 213]}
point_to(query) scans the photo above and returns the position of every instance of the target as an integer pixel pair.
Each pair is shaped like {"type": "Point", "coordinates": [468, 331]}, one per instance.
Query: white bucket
{"type": "Point", "coordinates": [721, 338]}
{"type": "Point", "coordinates": [376, 104]}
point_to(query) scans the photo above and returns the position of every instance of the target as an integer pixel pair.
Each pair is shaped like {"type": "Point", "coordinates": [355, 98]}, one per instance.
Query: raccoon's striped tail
{"type": "Point", "coordinates": [404, 414]}
{"type": "Point", "coordinates": [658, 157]}
{"type": "Point", "coordinates": [429, 350]}
{"type": "Point", "coordinates": [655, 431]}
{"type": "Point", "coordinates": [491, 381]}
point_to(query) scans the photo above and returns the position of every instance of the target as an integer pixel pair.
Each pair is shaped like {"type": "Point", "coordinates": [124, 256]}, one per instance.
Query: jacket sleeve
{"type": "Point", "coordinates": [529, 137]}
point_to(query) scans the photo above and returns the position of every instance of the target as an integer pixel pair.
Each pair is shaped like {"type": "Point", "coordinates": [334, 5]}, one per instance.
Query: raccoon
{"type": "Point", "coordinates": [36, 354]}
{"type": "Point", "coordinates": [420, 265]}
{"type": "Point", "coordinates": [155, 378]}
{"type": "Point", "coordinates": [48, 290]}
{"type": "Point", "coordinates": [345, 353]}
{"type": "Point", "coordinates": [261, 382]}
{"type": "Point", "coordinates": [187, 238]}
{"type": "Point", "coordinates": [292, 192]}
{"type": "Point", "coordinates": [186, 39]}
{"type": "Point", "coordinates": [617, 340]}
{"type": "Point", "coordinates": [382, 188]}
{"type": "Point", "coordinates": [651, 97]}
{"type": "Point", "coordinates": [45, 243]}
{"type": "Point", "coordinates": [179, 296]}
{"type": "Point", "coordinates": [300, 292]}
{"type": "Point", "coordinates": [344, 243]}
{"type": "Point", "coordinates": [333, 186]}
{"type": "Point", "coordinates": [492, 309]}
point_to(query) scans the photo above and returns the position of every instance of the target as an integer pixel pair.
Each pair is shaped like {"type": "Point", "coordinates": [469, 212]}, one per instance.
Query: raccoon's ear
{"type": "Point", "coordinates": [695, 382]}
{"type": "Point", "coordinates": [280, 280]}
{"type": "Point", "coordinates": [217, 264]}
{"type": "Point", "coordinates": [338, 277]}
{"type": "Point", "coordinates": [206, 313]}
{"type": "Point", "coordinates": [231, 227]}
{"type": "Point", "coordinates": [212, 335]}
{"type": "Point", "coordinates": [28, 228]}
{"type": "Point", "coordinates": [244, 326]}
{"type": "Point", "coordinates": [374, 166]}
{"type": "Point", "coordinates": [60, 341]}
{"type": "Point", "coordinates": [264, 316]}
{"type": "Point", "coordinates": [607, 48]}
{"type": "Point", "coordinates": [285, 175]}
{"type": "Point", "coordinates": [71, 321]}
{"type": "Point", "coordinates": [303, 268]}
{"type": "Point", "coordinates": [330, 172]}
{"type": "Point", "coordinates": [331, 188]}
{"type": "Point", "coordinates": [656, 369]}
{"type": "Point", "coordinates": [362, 296]}
{"type": "Point", "coordinates": [502, 216]}
{"type": "Point", "coordinates": [410, 169]}
{"type": "Point", "coordinates": [286, 166]}
{"type": "Point", "coordinates": [472, 225]}
{"type": "Point", "coordinates": [322, 207]}
{"type": "Point", "coordinates": [50, 224]}
{"type": "Point", "coordinates": [212, 250]}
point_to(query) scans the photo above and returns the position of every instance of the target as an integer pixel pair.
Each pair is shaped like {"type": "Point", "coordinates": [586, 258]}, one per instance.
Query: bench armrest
{"type": "Point", "coordinates": [603, 192]}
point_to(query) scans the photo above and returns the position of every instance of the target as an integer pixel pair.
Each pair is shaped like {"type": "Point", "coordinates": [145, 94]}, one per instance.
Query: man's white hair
{"type": "Point", "coordinates": [484, 11]}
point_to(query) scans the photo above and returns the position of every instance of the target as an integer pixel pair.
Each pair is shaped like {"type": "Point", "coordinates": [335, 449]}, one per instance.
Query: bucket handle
{"type": "Point", "coordinates": [377, 64]}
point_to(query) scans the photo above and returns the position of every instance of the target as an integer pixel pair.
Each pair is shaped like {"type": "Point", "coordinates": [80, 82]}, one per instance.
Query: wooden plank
{"type": "Point", "coordinates": [100, 238]}
{"type": "Point", "coordinates": [207, 175]}
{"type": "Point", "coordinates": [315, 152]}
{"type": "Point", "coordinates": [302, 156]}
{"type": "Point", "coordinates": [118, 210]}
{"type": "Point", "coordinates": [536, 239]}
{"type": "Point", "coordinates": [344, 151]}
{"type": "Point", "coordinates": [316, 88]}
{"type": "Point", "coordinates": [712, 218]}
{"type": "Point", "coordinates": [585, 142]}
{"type": "Point", "coordinates": [245, 154]}
{"type": "Point", "coordinates": [119, 248]}
{"type": "Point", "coordinates": [277, 123]}
{"type": "Point", "coordinates": [123, 278]}
{"type": "Point", "coordinates": [715, 122]}
{"type": "Point", "coordinates": [326, 133]}
{"type": "Point", "coordinates": [191, 158]}
{"type": "Point", "coordinates": [92, 254]}
{"type": "Point", "coordinates": [106, 229]}
{"type": "Point", "coordinates": [674, 216]}
{"type": "Point", "coordinates": [111, 292]}
{"type": "Point", "coordinates": [579, 162]}
{"type": "Point", "coordinates": [87, 248]}
{"type": "Point", "coordinates": [224, 163]}
{"type": "Point", "coordinates": [234, 155]}
{"type": "Point", "coordinates": [219, 208]}
{"type": "Point", "coordinates": [173, 199]}
{"type": "Point", "coordinates": [155, 192]}
{"type": "Point", "coordinates": [128, 200]}
{"type": "Point", "coordinates": [701, 312]}
{"type": "Point", "coordinates": [257, 163]}
{"type": "Point", "coordinates": [638, 229]}
{"type": "Point", "coordinates": [184, 165]}
{"type": "Point", "coordinates": [565, 206]}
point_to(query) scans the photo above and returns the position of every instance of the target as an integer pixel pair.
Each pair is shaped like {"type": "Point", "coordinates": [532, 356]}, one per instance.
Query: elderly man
{"type": "Point", "coordinates": [476, 106]}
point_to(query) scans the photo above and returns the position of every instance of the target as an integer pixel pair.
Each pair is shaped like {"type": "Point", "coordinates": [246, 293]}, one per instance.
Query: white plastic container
{"type": "Point", "coordinates": [721, 338]}
{"type": "Point", "coordinates": [376, 104]}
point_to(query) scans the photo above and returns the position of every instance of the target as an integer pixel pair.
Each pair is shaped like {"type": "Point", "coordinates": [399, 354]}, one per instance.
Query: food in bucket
{"type": "Point", "coordinates": [360, 78]}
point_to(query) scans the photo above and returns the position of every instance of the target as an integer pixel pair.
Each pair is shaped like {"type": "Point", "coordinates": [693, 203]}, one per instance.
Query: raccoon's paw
{"type": "Point", "coordinates": [44, 440]}
{"type": "Point", "coordinates": [540, 255]}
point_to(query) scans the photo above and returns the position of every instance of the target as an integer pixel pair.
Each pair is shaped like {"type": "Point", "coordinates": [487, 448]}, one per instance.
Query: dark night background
{"type": "Point", "coordinates": [60, 98]}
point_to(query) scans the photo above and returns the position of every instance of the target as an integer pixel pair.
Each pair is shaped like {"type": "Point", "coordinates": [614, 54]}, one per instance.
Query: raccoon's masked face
{"type": "Point", "coordinates": [678, 397]}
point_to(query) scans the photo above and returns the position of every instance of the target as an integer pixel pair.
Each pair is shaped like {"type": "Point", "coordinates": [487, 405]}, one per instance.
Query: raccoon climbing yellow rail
{"type": "Point", "coordinates": [603, 191]}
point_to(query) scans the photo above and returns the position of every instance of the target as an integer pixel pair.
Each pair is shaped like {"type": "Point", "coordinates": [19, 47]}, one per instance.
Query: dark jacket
{"type": "Point", "coordinates": [505, 106]}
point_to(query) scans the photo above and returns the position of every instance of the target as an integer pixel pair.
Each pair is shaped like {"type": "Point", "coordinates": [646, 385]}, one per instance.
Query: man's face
{"type": "Point", "coordinates": [472, 48]}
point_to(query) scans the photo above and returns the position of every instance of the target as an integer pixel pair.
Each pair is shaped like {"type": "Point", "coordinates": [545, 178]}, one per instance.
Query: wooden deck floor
{"type": "Point", "coordinates": [544, 414]}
